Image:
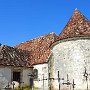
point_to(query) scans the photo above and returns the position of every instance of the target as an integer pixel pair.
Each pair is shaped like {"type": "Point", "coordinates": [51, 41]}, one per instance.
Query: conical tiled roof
{"type": "Point", "coordinates": [77, 26]}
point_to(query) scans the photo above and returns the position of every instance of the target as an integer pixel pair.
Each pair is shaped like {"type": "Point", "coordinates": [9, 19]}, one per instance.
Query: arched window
{"type": "Point", "coordinates": [35, 74]}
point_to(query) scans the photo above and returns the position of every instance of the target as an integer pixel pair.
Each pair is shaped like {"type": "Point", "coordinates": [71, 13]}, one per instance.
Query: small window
{"type": "Point", "coordinates": [35, 74]}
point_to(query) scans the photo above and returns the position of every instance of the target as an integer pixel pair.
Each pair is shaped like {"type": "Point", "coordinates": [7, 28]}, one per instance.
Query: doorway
{"type": "Point", "coordinates": [16, 76]}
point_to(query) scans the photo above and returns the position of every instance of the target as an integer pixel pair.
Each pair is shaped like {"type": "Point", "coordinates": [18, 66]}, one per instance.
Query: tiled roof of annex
{"type": "Point", "coordinates": [10, 56]}
{"type": "Point", "coordinates": [39, 48]}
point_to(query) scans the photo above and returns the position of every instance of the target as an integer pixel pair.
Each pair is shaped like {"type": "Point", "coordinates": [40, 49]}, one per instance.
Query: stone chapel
{"type": "Point", "coordinates": [51, 62]}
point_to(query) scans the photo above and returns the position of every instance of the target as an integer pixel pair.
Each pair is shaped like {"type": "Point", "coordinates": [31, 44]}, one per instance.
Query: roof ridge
{"type": "Point", "coordinates": [51, 33]}
{"type": "Point", "coordinates": [76, 9]}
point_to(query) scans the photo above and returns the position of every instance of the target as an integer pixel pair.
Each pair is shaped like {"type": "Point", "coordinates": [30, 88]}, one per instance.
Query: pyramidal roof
{"type": "Point", "coordinates": [77, 26]}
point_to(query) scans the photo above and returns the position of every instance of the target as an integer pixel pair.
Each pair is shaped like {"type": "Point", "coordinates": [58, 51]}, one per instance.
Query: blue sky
{"type": "Point", "coordinates": [22, 20]}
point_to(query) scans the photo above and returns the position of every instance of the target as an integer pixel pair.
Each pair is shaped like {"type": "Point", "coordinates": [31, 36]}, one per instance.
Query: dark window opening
{"type": "Point", "coordinates": [16, 76]}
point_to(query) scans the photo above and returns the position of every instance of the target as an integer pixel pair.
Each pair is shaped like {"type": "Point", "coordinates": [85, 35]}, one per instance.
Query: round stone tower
{"type": "Point", "coordinates": [70, 60]}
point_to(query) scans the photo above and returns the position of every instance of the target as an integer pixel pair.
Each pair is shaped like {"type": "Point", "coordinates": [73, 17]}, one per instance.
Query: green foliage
{"type": "Point", "coordinates": [23, 88]}
{"type": "Point", "coordinates": [26, 88]}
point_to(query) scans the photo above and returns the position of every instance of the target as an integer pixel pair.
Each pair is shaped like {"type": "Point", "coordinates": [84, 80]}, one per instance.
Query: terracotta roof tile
{"type": "Point", "coordinates": [77, 26]}
{"type": "Point", "coordinates": [10, 56]}
{"type": "Point", "coordinates": [39, 48]}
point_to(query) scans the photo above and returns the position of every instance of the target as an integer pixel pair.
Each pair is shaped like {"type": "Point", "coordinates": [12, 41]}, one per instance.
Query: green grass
{"type": "Point", "coordinates": [24, 88]}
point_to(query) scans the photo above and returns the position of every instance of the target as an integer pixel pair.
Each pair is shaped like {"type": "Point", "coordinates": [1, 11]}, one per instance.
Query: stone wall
{"type": "Point", "coordinates": [42, 74]}
{"type": "Point", "coordinates": [25, 77]}
{"type": "Point", "coordinates": [5, 77]}
{"type": "Point", "coordinates": [71, 58]}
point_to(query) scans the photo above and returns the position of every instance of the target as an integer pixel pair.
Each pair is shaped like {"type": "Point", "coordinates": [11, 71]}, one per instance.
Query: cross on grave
{"type": "Point", "coordinates": [59, 79]}
{"type": "Point", "coordinates": [13, 85]}
{"type": "Point", "coordinates": [50, 81]}
{"type": "Point", "coordinates": [68, 82]}
{"type": "Point", "coordinates": [86, 76]}
{"type": "Point", "coordinates": [73, 84]}
{"type": "Point", "coordinates": [43, 81]}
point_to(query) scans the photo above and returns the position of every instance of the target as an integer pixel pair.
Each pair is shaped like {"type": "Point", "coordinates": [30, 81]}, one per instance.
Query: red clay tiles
{"type": "Point", "coordinates": [10, 56]}
{"type": "Point", "coordinates": [77, 26]}
{"type": "Point", "coordinates": [39, 48]}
